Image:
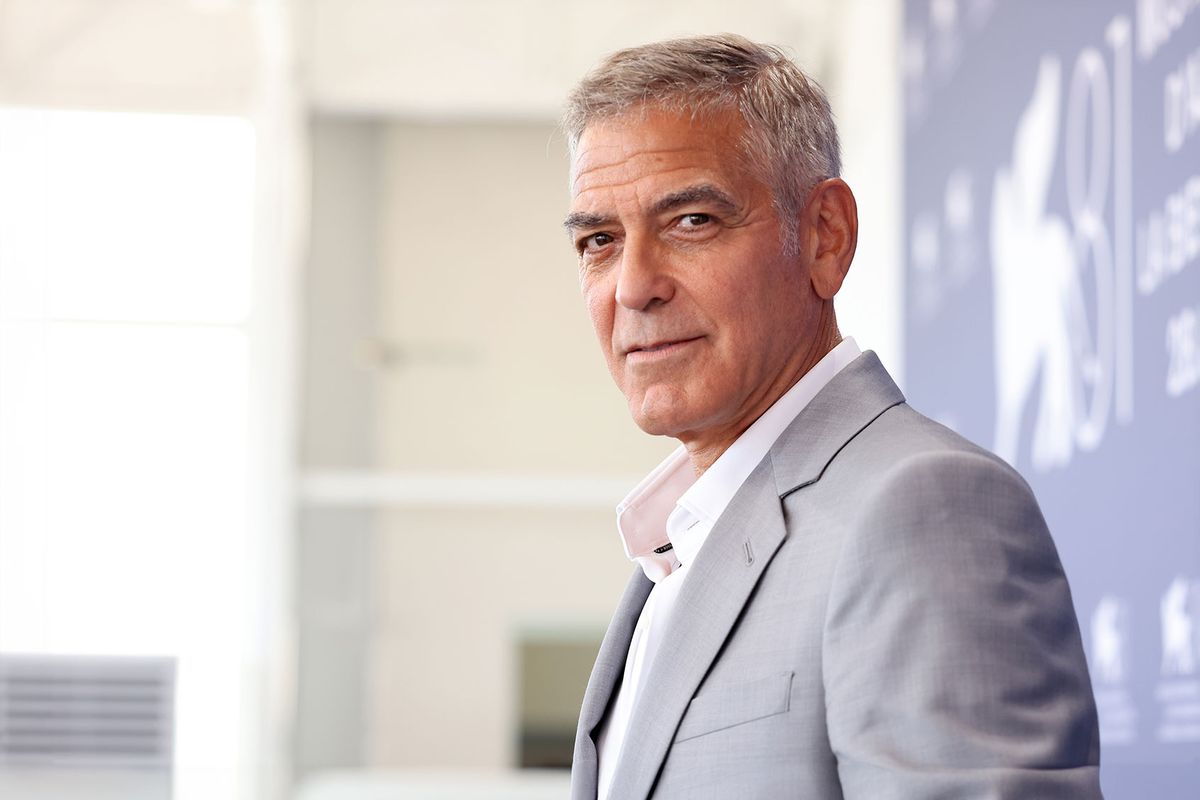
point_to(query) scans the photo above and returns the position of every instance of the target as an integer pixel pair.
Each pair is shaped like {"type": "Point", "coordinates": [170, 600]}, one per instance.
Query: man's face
{"type": "Point", "coordinates": [701, 314]}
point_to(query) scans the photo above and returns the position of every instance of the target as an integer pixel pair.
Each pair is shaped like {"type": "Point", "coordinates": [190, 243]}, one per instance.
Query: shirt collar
{"type": "Point", "coordinates": [642, 515]}
{"type": "Point", "coordinates": [664, 521]}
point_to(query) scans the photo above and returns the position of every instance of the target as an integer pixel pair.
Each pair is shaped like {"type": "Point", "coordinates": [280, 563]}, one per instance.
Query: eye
{"type": "Point", "coordinates": [694, 220]}
{"type": "Point", "coordinates": [594, 241]}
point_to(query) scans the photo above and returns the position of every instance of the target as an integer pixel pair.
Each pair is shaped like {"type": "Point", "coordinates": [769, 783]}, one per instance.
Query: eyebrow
{"type": "Point", "coordinates": [583, 219]}
{"type": "Point", "coordinates": [700, 193]}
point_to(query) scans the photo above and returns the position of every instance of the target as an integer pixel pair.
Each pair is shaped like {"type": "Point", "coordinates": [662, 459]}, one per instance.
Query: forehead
{"type": "Point", "coordinates": [653, 149]}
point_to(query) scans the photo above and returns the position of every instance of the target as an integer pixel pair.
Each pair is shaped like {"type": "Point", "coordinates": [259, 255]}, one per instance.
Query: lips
{"type": "Point", "coordinates": [662, 346]}
{"type": "Point", "coordinates": [654, 348]}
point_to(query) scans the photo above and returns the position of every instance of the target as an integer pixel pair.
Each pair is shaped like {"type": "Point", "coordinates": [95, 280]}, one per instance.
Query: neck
{"type": "Point", "coordinates": [705, 447]}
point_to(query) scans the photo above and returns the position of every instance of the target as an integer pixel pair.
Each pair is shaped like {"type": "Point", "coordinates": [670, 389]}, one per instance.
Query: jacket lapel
{"type": "Point", "coordinates": [718, 584]}
{"type": "Point", "coordinates": [851, 401]}
{"type": "Point", "coordinates": [610, 665]}
{"type": "Point", "coordinates": [728, 567]}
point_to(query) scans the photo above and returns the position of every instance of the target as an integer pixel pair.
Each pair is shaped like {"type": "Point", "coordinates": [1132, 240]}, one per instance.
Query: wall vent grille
{"type": "Point", "coordinates": [87, 711]}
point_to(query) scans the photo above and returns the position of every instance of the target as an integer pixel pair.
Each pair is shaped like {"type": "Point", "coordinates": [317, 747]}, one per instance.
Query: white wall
{"type": "Point", "coordinates": [864, 87]}
{"type": "Point", "coordinates": [464, 346]}
{"type": "Point", "coordinates": [485, 364]}
{"type": "Point", "coordinates": [495, 367]}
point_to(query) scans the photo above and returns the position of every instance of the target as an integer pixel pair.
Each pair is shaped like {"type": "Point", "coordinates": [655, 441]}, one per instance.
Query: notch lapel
{"type": "Point", "coordinates": [609, 666]}
{"type": "Point", "coordinates": [719, 582]}
{"type": "Point", "coordinates": [721, 579]}
{"type": "Point", "coordinates": [851, 401]}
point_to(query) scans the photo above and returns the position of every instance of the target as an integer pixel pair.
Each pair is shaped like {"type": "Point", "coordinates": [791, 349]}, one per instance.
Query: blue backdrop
{"type": "Point", "coordinates": [1053, 314]}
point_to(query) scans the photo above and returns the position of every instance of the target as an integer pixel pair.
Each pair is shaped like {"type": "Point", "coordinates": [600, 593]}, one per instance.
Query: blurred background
{"type": "Point", "coordinates": [308, 458]}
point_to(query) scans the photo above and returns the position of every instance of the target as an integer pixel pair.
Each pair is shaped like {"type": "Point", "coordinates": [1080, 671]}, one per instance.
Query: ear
{"type": "Point", "coordinates": [832, 215]}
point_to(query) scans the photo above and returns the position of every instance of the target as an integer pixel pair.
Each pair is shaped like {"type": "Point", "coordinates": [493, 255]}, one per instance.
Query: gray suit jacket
{"type": "Point", "coordinates": [879, 613]}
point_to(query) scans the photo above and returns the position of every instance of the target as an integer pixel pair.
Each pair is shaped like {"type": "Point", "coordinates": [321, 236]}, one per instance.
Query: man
{"type": "Point", "coordinates": [835, 597]}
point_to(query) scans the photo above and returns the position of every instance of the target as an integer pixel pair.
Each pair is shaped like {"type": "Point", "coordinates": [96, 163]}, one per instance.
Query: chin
{"type": "Point", "coordinates": [657, 420]}
{"type": "Point", "coordinates": [654, 427]}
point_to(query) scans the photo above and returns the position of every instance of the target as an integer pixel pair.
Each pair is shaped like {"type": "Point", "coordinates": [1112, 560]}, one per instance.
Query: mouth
{"type": "Point", "coordinates": [659, 349]}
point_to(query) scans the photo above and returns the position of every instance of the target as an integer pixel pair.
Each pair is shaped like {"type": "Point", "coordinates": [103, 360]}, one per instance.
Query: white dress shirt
{"type": "Point", "coordinates": [664, 522]}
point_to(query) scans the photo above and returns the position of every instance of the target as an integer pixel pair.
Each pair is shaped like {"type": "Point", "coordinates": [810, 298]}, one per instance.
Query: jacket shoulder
{"type": "Point", "coordinates": [903, 444]}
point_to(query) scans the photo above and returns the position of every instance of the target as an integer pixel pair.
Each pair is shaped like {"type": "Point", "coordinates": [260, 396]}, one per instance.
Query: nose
{"type": "Point", "coordinates": [643, 280]}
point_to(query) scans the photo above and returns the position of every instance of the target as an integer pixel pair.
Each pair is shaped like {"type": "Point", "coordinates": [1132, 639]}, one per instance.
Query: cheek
{"type": "Point", "coordinates": [600, 312]}
{"type": "Point", "coordinates": [601, 309]}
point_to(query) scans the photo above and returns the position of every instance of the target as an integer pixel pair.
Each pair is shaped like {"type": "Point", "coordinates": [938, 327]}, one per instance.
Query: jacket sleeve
{"type": "Point", "coordinates": [953, 664]}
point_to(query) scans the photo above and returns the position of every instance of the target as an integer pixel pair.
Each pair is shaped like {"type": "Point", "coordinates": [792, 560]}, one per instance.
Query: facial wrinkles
{"type": "Point", "coordinates": [619, 187]}
{"type": "Point", "coordinates": [622, 161]}
{"type": "Point", "coordinates": [657, 322]}
{"type": "Point", "coordinates": [614, 184]}
{"type": "Point", "coordinates": [629, 202]}
{"type": "Point", "coordinates": [615, 181]}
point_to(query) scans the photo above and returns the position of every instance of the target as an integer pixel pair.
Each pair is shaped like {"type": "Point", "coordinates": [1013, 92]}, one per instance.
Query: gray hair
{"type": "Point", "coordinates": [790, 142]}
